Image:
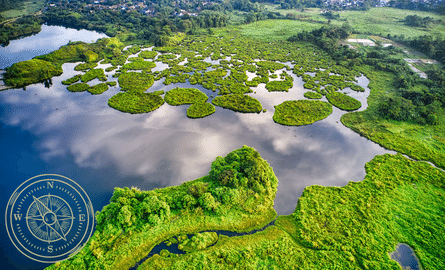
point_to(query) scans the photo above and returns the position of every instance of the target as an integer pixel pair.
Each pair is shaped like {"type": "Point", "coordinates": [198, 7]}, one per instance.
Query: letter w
{"type": "Point", "coordinates": [18, 216]}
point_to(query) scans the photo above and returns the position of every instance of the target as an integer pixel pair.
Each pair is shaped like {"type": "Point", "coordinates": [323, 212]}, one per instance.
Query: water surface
{"type": "Point", "coordinates": [51, 130]}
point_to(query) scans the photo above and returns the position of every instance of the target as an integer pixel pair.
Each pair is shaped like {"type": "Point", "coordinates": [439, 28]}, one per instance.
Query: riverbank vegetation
{"type": "Point", "coordinates": [237, 195]}
{"type": "Point", "coordinates": [350, 227]}
{"type": "Point", "coordinates": [31, 71]}
{"type": "Point", "coordinates": [301, 112]}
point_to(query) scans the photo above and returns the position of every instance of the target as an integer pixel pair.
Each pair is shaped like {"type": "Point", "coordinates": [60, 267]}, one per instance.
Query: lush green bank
{"type": "Point", "coordinates": [352, 227]}
{"type": "Point", "coordinates": [237, 195]}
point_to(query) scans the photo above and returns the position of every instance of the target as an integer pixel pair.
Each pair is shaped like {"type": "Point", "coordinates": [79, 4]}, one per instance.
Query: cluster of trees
{"type": "Point", "coordinates": [325, 37]}
{"type": "Point", "coordinates": [418, 21]}
{"type": "Point", "coordinates": [417, 100]}
{"type": "Point", "coordinates": [418, 5]}
{"type": "Point", "coordinates": [25, 26]}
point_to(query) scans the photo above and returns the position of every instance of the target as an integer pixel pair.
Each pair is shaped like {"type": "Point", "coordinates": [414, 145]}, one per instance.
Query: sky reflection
{"type": "Point", "coordinates": [164, 147]}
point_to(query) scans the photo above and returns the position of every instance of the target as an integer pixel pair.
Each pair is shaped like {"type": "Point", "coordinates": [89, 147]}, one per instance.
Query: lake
{"type": "Point", "coordinates": [51, 130]}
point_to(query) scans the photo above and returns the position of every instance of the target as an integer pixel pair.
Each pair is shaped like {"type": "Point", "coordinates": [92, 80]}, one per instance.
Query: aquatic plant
{"type": "Point", "coordinates": [180, 96]}
{"type": "Point", "coordinates": [239, 103]}
{"type": "Point", "coordinates": [98, 88]}
{"type": "Point", "coordinates": [78, 87]}
{"type": "Point", "coordinates": [200, 110]}
{"type": "Point", "coordinates": [312, 95]}
{"type": "Point", "coordinates": [135, 81]}
{"type": "Point", "coordinates": [301, 112]}
{"type": "Point", "coordinates": [135, 102]}
{"type": "Point", "coordinates": [343, 102]}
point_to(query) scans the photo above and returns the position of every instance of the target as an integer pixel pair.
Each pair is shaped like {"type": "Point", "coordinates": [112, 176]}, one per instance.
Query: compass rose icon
{"type": "Point", "coordinates": [49, 218]}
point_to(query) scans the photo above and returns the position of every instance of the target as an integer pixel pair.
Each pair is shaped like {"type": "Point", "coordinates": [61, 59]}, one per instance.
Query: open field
{"type": "Point", "coordinates": [379, 21]}
{"type": "Point", "coordinates": [27, 8]}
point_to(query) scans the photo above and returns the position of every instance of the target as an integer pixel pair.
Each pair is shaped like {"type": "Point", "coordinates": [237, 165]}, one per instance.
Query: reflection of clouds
{"type": "Point", "coordinates": [167, 147]}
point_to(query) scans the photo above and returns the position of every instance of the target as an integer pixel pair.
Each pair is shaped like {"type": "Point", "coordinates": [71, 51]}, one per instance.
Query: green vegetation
{"type": "Point", "coordinates": [280, 85]}
{"type": "Point", "coordinates": [148, 54]}
{"type": "Point", "coordinates": [72, 80]}
{"type": "Point", "coordinates": [237, 195]}
{"type": "Point", "coordinates": [135, 81]}
{"type": "Point", "coordinates": [199, 241]}
{"type": "Point", "coordinates": [422, 142]}
{"type": "Point", "coordinates": [92, 74]}
{"type": "Point", "coordinates": [200, 110]}
{"type": "Point", "coordinates": [238, 103]}
{"type": "Point", "coordinates": [180, 96]}
{"type": "Point", "coordinates": [29, 72]}
{"type": "Point", "coordinates": [78, 87]}
{"type": "Point", "coordinates": [139, 65]}
{"type": "Point", "coordinates": [343, 102]}
{"type": "Point", "coordinates": [85, 66]}
{"type": "Point", "coordinates": [135, 102]}
{"type": "Point", "coordinates": [301, 112]}
{"type": "Point", "coordinates": [112, 83]}
{"type": "Point", "coordinates": [352, 227]}
{"type": "Point", "coordinates": [98, 88]}
{"type": "Point", "coordinates": [312, 95]}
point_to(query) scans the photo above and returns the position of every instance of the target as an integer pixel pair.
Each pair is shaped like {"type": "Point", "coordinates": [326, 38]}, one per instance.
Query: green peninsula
{"type": "Point", "coordinates": [237, 195]}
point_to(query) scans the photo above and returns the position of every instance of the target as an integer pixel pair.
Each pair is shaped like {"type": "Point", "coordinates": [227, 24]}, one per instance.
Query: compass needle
{"type": "Point", "coordinates": [51, 220]}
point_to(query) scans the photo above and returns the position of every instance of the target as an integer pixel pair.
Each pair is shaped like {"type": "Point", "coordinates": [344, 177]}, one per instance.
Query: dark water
{"type": "Point", "coordinates": [406, 257]}
{"type": "Point", "coordinates": [51, 130]}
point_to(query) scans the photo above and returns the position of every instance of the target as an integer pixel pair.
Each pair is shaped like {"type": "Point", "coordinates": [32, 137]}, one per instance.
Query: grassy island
{"type": "Point", "coordinates": [28, 72]}
{"type": "Point", "coordinates": [237, 195]}
{"type": "Point", "coordinates": [200, 110]}
{"type": "Point", "coordinates": [78, 87]}
{"type": "Point", "coordinates": [301, 112]}
{"type": "Point", "coordinates": [135, 81]}
{"type": "Point", "coordinates": [312, 95]}
{"type": "Point", "coordinates": [98, 88]}
{"type": "Point", "coordinates": [72, 80]}
{"type": "Point", "coordinates": [343, 102]}
{"type": "Point", "coordinates": [180, 96]}
{"type": "Point", "coordinates": [239, 103]}
{"type": "Point", "coordinates": [135, 102]}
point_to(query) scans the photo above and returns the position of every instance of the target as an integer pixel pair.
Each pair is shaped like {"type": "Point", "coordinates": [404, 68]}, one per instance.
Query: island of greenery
{"type": "Point", "coordinates": [343, 102]}
{"type": "Point", "coordinates": [301, 112]}
{"type": "Point", "coordinates": [239, 103]}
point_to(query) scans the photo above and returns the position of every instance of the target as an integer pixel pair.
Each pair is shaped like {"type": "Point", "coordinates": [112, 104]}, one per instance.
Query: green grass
{"type": "Point", "coordinates": [377, 21]}
{"type": "Point", "coordinates": [200, 110]}
{"type": "Point", "coordinates": [148, 54]}
{"type": "Point", "coordinates": [98, 88]}
{"type": "Point", "coordinates": [29, 72]}
{"type": "Point", "coordinates": [238, 103]}
{"type": "Point", "coordinates": [198, 242]}
{"type": "Point", "coordinates": [92, 74]}
{"type": "Point", "coordinates": [343, 102]}
{"type": "Point", "coordinates": [25, 8]}
{"type": "Point", "coordinates": [180, 96]}
{"type": "Point", "coordinates": [301, 112]}
{"type": "Point", "coordinates": [139, 65]}
{"type": "Point", "coordinates": [85, 66]}
{"type": "Point", "coordinates": [237, 195]}
{"type": "Point", "coordinates": [422, 142]}
{"type": "Point", "coordinates": [72, 80]}
{"type": "Point", "coordinates": [78, 87]}
{"type": "Point", "coordinates": [352, 227]}
{"type": "Point", "coordinates": [134, 81]}
{"type": "Point", "coordinates": [135, 102]}
{"type": "Point", "coordinates": [312, 95]}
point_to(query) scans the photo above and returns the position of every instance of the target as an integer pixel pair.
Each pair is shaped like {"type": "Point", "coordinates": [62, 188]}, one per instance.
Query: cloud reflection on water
{"type": "Point", "coordinates": [166, 147]}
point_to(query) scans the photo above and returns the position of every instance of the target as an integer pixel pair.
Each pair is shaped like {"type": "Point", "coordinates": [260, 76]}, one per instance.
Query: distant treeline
{"type": "Point", "coordinates": [10, 4]}
{"type": "Point", "coordinates": [417, 100]}
{"type": "Point", "coordinates": [25, 26]}
{"type": "Point", "coordinates": [412, 5]}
